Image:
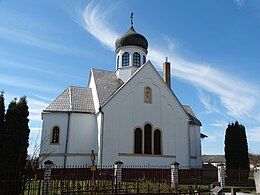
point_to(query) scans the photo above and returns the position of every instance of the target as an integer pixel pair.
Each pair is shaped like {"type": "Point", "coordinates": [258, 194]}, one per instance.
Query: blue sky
{"type": "Point", "coordinates": [213, 46]}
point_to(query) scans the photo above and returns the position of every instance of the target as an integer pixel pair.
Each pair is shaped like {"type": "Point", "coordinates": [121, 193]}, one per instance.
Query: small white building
{"type": "Point", "coordinates": [130, 115]}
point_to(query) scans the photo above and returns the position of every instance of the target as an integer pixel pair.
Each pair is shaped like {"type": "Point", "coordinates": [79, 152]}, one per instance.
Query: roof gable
{"type": "Point", "coordinates": [73, 99]}
{"type": "Point", "coordinates": [146, 65]}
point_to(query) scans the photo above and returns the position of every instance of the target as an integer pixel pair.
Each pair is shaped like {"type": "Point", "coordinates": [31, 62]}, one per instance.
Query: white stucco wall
{"type": "Point", "coordinates": [195, 146]}
{"type": "Point", "coordinates": [82, 138]}
{"type": "Point", "coordinates": [127, 110]}
{"type": "Point", "coordinates": [93, 87]}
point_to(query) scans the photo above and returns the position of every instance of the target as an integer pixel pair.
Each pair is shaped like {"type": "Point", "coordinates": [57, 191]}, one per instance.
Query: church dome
{"type": "Point", "coordinates": [131, 37]}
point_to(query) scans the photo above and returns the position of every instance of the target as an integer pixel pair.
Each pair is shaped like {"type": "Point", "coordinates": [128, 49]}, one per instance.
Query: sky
{"type": "Point", "coordinates": [213, 47]}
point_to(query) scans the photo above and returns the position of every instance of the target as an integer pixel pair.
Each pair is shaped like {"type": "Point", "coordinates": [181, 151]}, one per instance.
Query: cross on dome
{"type": "Point", "coordinates": [131, 19]}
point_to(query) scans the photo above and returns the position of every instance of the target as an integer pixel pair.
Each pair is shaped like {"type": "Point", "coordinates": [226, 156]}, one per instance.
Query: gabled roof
{"type": "Point", "coordinates": [107, 84]}
{"type": "Point", "coordinates": [114, 84]}
{"type": "Point", "coordinates": [73, 99]}
{"type": "Point", "coordinates": [192, 116]}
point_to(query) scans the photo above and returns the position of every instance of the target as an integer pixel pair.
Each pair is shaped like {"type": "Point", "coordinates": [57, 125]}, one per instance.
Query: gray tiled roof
{"type": "Point", "coordinates": [107, 83]}
{"type": "Point", "coordinates": [213, 158]}
{"type": "Point", "coordinates": [74, 99]}
{"type": "Point", "coordinates": [191, 115]}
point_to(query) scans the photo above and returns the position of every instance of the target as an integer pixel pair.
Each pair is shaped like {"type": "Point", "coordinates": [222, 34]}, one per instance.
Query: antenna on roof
{"type": "Point", "coordinates": [131, 19]}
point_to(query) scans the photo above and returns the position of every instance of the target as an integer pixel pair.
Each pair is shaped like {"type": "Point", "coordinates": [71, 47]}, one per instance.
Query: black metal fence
{"type": "Point", "coordinates": [135, 179]}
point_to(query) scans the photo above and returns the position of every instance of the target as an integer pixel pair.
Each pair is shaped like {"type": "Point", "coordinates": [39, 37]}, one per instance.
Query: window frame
{"type": "Point", "coordinates": [136, 59]}
{"type": "Point", "coordinates": [160, 145]}
{"type": "Point", "coordinates": [125, 59]}
{"type": "Point", "coordinates": [52, 135]}
{"type": "Point", "coordinates": [135, 129]}
{"type": "Point", "coordinates": [150, 139]}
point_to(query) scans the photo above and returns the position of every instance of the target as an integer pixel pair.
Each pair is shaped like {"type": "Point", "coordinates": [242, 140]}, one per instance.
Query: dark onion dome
{"type": "Point", "coordinates": [131, 37]}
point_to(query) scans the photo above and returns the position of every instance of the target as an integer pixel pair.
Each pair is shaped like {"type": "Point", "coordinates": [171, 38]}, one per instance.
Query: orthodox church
{"type": "Point", "coordinates": [129, 115]}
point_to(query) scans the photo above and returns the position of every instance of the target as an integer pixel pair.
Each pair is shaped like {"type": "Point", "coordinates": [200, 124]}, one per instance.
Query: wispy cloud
{"type": "Point", "coordinates": [240, 2]}
{"type": "Point", "coordinates": [208, 104]}
{"type": "Point", "coordinates": [254, 134]}
{"type": "Point", "coordinates": [40, 68]}
{"type": "Point", "coordinates": [237, 96]}
{"type": "Point", "coordinates": [95, 23]}
{"type": "Point", "coordinates": [20, 29]}
{"type": "Point", "coordinates": [19, 82]}
{"type": "Point", "coordinates": [35, 106]}
{"type": "Point", "coordinates": [31, 39]}
{"type": "Point", "coordinates": [220, 124]}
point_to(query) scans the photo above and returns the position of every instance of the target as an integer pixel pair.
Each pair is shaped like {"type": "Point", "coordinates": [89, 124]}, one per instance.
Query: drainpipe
{"type": "Point", "coordinates": [101, 135]}
{"type": "Point", "coordinates": [67, 140]}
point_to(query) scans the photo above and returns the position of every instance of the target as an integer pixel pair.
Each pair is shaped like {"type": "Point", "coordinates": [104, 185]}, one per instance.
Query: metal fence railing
{"type": "Point", "coordinates": [134, 179]}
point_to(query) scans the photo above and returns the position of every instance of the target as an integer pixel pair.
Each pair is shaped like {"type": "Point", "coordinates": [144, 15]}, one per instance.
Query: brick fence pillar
{"type": "Point", "coordinates": [174, 175]}
{"type": "Point", "coordinates": [118, 166]}
{"type": "Point", "coordinates": [221, 174]}
{"type": "Point", "coordinates": [47, 177]}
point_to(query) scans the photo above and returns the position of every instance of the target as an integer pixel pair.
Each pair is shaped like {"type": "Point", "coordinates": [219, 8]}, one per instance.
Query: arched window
{"type": "Point", "coordinates": [117, 62]}
{"type": "Point", "coordinates": [55, 135]}
{"type": "Point", "coordinates": [148, 139]}
{"type": "Point", "coordinates": [138, 141]}
{"type": "Point", "coordinates": [144, 59]}
{"type": "Point", "coordinates": [136, 59]}
{"type": "Point", "coordinates": [125, 59]}
{"type": "Point", "coordinates": [157, 142]}
{"type": "Point", "coordinates": [147, 95]}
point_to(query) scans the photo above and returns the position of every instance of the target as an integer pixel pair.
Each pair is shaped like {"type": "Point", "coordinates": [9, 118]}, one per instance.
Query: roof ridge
{"type": "Point", "coordinates": [103, 70]}
{"type": "Point", "coordinates": [70, 97]}
{"type": "Point", "coordinates": [58, 96]}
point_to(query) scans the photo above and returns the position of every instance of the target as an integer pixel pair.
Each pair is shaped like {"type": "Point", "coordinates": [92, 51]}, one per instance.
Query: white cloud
{"type": "Point", "coordinates": [254, 134]}
{"type": "Point", "coordinates": [220, 124]}
{"type": "Point", "coordinates": [240, 2]}
{"type": "Point", "coordinates": [31, 39]}
{"type": "Point", "coordinates": [20, 82]}
{"type": "Point", "coordinates": [35, 106]}
{"type": "Point", "coordinates": [237, 96]}
{"type": "Point", "coordinates": [95, 23]}
{"type": "Point", "coordinates": [207, 102]}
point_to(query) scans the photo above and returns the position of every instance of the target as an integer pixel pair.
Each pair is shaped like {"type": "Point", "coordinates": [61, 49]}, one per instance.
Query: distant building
{"type": "Point", "coordinates": [131, 115]}
{"type": "Point", "coordinates": [214, 159]}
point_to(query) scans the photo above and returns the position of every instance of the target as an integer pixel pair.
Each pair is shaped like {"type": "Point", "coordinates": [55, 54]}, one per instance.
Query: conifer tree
{"type": "Point", "coordinates": [2, 141]}
{"type": "Point", "coordinates": [23, 133]}
{"type": "Point", "coordinates": [2, 124]}
{"type": "Point", "coordinates": [236, 151]}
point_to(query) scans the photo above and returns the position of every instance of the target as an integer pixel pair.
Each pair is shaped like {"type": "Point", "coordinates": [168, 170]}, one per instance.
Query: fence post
{"type": "Point", "coordinates": [47, 177]}
{"type": "Point", "coordinates": [221, 175]}
{"type": "Point", "coordinates": [174, 175]}
{"type": "Point", "coordinates": [118, 166]}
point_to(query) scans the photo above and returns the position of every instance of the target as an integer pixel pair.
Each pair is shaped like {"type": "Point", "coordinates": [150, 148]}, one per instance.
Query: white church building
{"type": "Point", "coordinates": [129, 115]}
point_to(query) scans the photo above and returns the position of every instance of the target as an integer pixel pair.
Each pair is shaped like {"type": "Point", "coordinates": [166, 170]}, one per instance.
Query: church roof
{"type": "Point", "coordinates": [107, 84]}
{"type": "Point", "coordinates": [191, 115]}
{"type": "Point", "coordinates": [73, 99]}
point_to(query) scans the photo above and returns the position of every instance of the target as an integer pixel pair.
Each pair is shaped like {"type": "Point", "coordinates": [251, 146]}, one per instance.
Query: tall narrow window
{"type": "Point", "coordinates": [136, 59]}
{"type": "Point", "coordinates": [125, 59]}
{"type": "Point", "coordinates": [157, 142]}
{"type": "Point", "coordinates": [144, 59]}
{"type": "Point", "coordinates": [138, 141]}
{"type": "Point", "coordinates": [55, 135]}
{"type": "Point", "coordinates": [148, 139]}
{"type": "Point", "coordinates": [147, 95]}
{"type": "Point", "coordinates": [117, 62]}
